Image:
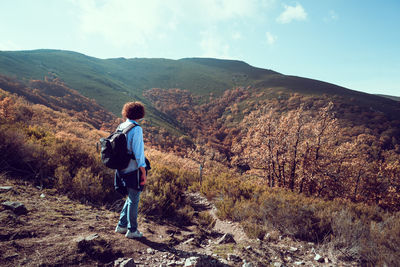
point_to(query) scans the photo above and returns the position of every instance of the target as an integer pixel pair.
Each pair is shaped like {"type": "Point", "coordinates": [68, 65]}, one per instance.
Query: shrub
{"type": "Point", "coordinates": [184, 216]}
{"type": "Point", "coordinates": [349, 235]}
{"type": "Point", "coordinates": [205, 219]}
{"type": "Point", "coordinates": [163, 194]}
{"type": "Point", "coordinates": [21, 158]}
{"type": "Point", "coordinates": [386, 236]}
{"type": "Point", "coordinates": [87, 186]}
{"type": "Point", "coordinates": [63, 178]}
{"type": "Point", "coordinates": [254, 230]}
{"type": "Point", "coordinates": [225, 208]}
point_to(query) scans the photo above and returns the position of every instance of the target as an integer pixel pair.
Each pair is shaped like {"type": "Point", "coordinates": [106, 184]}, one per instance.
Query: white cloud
{"type": "Point", "coordinates": [122, 22]}
{"type": "Point", "coordinates": [137, 22]}
{"type": "Point", "coordinates": [291, 13]}
{"type": "Point", "coordinates": [226, 9]}
{"type": "Point", "coordinates": [271, 39]}
{"type": "Point", "coordinates": [9, 46]}
{"type": "Point", "coordinates": [212, 45]}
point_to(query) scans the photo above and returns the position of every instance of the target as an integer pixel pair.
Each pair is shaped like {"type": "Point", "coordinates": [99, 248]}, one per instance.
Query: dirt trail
{"type": "Point", "coordinates": [53, 232]}
{"type": "Point", "coordinates": [224, 226]}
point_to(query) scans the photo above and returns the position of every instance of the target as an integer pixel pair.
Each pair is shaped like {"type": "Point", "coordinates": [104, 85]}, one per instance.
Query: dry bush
{"type": "Point", "coordinates": [294, 219]}
{"type": "Point", "coordinates": [35, 154]}
{"type": "Point", "coordinates": [88, 186]}
{"type": "Point", "coordinates": [63, 178]}
{"type": "Point", "coordinates": [206, 220]}
{"type": "Point", "coordinates": [185, 215]}
{"type": "Point", "coordinates": [254, 230]}
{"type": "Point", "coordinates": [225, 208]}
{"type": "Point", "coordinates": [163, 194]}
{"type": "Point", "coordinates": [369, 242]}
{"type": "Point", "coordinates": [22, 158]}
{"type": "Point", "coordinates": [387, 237]}
{"type": "Point", "coordinates": [349, 235]}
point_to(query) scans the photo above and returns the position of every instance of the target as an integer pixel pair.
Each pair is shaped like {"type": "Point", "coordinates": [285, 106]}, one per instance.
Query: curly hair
{"type": "Point", "coordinates": [133, 110]}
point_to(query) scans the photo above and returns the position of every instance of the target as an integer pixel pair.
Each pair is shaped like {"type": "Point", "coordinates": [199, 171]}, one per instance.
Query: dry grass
{"type": "Point", "coordinates": [350, 231]}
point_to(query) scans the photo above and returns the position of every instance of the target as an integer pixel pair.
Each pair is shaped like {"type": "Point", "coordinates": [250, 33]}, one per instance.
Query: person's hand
{"type": "Point", "coordinates": [142, 176]}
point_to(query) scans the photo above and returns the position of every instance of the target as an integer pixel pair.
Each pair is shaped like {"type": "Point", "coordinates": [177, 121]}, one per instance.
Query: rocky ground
{"type": "Point", "coordinates": [42, 228]}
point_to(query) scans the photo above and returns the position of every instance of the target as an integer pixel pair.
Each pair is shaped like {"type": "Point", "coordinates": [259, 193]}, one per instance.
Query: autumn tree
{"type": "Point", "coordinates": [291, 149]}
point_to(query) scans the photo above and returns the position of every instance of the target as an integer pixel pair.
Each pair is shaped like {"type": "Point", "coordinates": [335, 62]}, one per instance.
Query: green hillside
{"type": "Point", "coordinates": [395, 98]}
{"type": "Point", "coordinates": [112, 82]}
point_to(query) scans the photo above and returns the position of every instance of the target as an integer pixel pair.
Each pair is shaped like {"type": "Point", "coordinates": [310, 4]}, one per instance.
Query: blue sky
{"type": "Point", "coordinates": [355, 44]}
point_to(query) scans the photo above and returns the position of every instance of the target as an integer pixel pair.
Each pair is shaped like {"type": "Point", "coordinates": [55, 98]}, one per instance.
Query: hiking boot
{"type": "Point", "coordinates": [121, 230]}
{"type": "Point", "coordinates": [135, 234]}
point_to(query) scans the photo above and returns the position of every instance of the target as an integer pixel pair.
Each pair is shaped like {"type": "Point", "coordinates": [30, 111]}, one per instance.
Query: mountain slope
{"type": "Point", "coordinates": [307, 86]}
{"type": "Point", "coordinates": [395, 98]}
{"type": "Point", "coordinates": [112, 82]}
{"type": "Point", "coordinates": [53, 230]}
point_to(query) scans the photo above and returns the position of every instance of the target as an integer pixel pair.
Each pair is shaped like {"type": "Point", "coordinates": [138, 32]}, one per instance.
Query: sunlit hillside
{"type": "Point", "coordinates": [311, 160]}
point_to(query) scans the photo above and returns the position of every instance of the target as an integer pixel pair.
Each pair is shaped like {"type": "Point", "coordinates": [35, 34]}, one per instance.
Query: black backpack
{"type": "Point", "coordinates": [113, 149]}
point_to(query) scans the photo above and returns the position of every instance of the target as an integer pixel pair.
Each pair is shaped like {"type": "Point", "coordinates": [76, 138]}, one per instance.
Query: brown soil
{"type": "Point", "coordinates": [49, 234]}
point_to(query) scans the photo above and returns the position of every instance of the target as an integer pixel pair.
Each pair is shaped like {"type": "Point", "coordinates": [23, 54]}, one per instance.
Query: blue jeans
{"type": "Point", "coordinates": [129, 213]}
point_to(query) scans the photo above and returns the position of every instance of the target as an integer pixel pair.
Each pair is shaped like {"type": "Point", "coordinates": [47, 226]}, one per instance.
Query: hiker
{"type": "Point", "coordinates": [134, 175]}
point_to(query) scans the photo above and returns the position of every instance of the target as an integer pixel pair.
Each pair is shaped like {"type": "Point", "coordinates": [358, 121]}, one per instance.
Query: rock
{"type": "Point", "coordinates": [4, 189]}
{"type": "Point", "coordinates": [124, 262]}
{"type": "Point", "coordinates": [233, 257]}
{"type": "Point", "coordinates": [192, 261]}
{"type": "Point", "coordinates": [267, 237]}
{"type": "Point", "coordinates": [17, 207]}
{"type": "Point", "coordinates": [225, 239]}
{"type": "Point", "coordinates": [271, 236]}
{"type": "Point", "coordinates": [319, 258]}
{"type": "Point", "coordinates": [97, 248]}
{"type": "Point", "coordinates": [91, 237]}
{"type": "Point", "coordinates": [293, 249]}
{"type": "Point", "coordinates": [11, 256]}
{"type": "Point", "coordinates": [190, 240]}
{"type": "Point", "coordinates": [277, 264]}
{"type": "Point", "coordinates": [42, 195]}
{"type": "Point", "coordinates": [223, 261]}
{"type": "Point", "coordinates": [299, 263]}
{"type": "Point", "coordinates": [117, 262]}
{"type": "Point", "coordinates": [83, 241]}
{"type": "Point", "coordinates": [248, 264]}
{"type": "Point", "coordinates": [180, 262]}
{"type": "Point", "coordinates": [150, 251]}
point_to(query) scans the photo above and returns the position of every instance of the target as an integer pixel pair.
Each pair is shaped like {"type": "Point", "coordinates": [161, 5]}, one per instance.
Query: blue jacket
{"type": "Point", "coordinates": [135, 146]}
{"type": "Point", "coordinates": [130, 176]}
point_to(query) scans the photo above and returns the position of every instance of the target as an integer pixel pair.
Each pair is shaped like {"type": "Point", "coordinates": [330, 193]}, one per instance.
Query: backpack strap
{"type": "Point", "coordinates": [126, 130]}
{"type": "Point", "coordinates": [129, 127]}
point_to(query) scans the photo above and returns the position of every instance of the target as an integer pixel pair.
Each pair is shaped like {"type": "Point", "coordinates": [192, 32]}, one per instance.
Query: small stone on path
{"type": "Point", "coordinates": [225, 239]}
{"type": "Point", "coordinates": [4, 189]}
{"type": "Point", "coordinates": [319, 258]}
{"type": "Point", "coordinates": [124, 262]}
{"type": "Point", "coordinates": [17, 207]}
